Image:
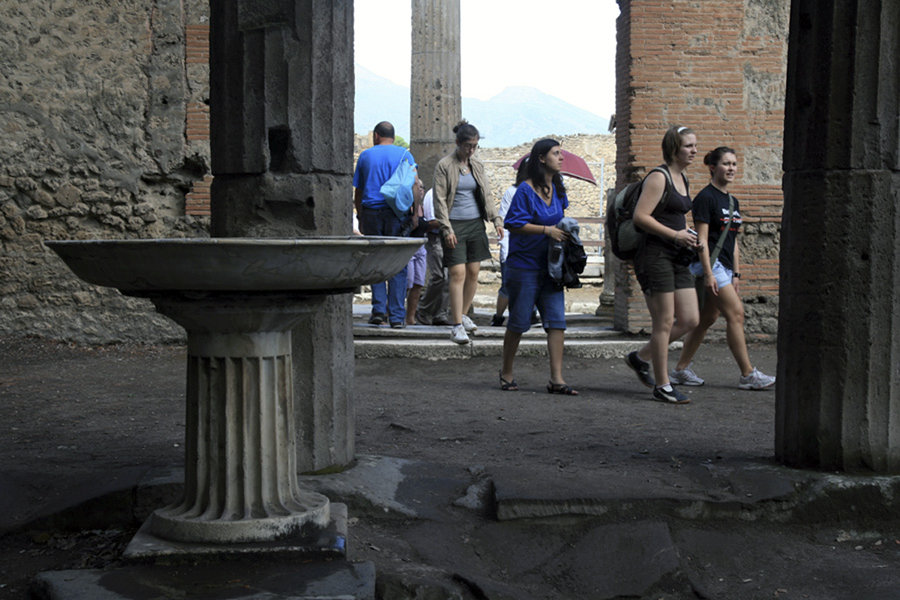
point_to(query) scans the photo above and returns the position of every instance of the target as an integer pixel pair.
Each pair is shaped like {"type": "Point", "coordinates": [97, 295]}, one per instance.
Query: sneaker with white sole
{"type": "Point", "coordinates": [756, 380]}
{"type": "Point", "coordinates": [672, 396]}
{"type": "Point", "coordinates": [468, 324]}
{"type": "Point", "coordinates": [458, 334]}
{"type": "Point", "coordinates": [685, 376]}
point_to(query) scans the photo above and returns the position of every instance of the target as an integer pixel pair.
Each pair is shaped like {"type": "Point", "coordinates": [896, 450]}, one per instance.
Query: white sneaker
{"type": "Point", "coordinates": [469, 324]}
{"type": "Point", "coordinates": [458, 334]}
{"type": "Point", "coordinates": [685, 376]}
{"type": "Point", "coordinates": [756, 380]}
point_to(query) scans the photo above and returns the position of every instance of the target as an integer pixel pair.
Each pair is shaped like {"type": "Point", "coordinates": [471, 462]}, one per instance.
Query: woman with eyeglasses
{"type": "Point", "coordinates": [461, 207]}
{"type": "Point", "coordinates": [661, 264]}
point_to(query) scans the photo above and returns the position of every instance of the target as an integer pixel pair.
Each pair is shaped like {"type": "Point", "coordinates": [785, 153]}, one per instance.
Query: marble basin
{"type": "Point", "coordinates": [316, 264]}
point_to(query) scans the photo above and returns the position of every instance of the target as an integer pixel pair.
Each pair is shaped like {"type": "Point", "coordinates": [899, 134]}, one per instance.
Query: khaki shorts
{"type": "Point", "coordinates": [471, 243]}
{"type": "Point", "coordinates": [661, 269]}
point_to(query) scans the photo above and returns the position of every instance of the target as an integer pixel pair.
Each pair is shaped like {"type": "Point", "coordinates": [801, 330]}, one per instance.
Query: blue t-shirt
{"type": "Point", "coordinates": [530, 251]}
{"type": "Point", "coordinates": [375, 166]}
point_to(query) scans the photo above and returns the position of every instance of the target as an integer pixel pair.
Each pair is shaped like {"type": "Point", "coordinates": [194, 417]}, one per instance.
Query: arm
{"type": "Point", "coordinates": [703, 254]}
{"type": "Point", "coordinates": [534, 229]}
{"type": "Point", "coordinates": [441, 210]}
{"type": "Point", "coordinates": [735, 281]}
{"type": "Point", "coordinates": [651, 193]}
{"type": "Point", "coordinates": [357, 199]}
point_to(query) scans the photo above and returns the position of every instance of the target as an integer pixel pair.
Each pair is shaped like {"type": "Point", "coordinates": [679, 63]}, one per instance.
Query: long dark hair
{"type": "Point", "coordinates": [537, 173]}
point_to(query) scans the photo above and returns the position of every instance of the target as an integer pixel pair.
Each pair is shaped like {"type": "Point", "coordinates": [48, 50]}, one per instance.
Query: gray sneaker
{"type": "Point", "coordinates": [685, 376]}
{"type": "Point", "coordinates": [756, 380]}
{"type": "Point", "coordinates": [458, 334]}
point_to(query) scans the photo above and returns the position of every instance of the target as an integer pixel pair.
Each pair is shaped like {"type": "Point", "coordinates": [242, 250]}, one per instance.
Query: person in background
{"type": "Point", "coordinates": [721, 279]}
{"type": "Point", "coordinates": [375, 166]}
{"type": "Point", "coordinates": [502, 295]}
{"type": "Point", "coordinates": [536, 207]}
{"type": "Point", "coordinates": [661, 264]}
{"type": "Point", "coordinates": [415, 269]}
{"type": "Point", "coordinates": [461, 207]}
{"type": "Point", "coordinates": [434, 306]}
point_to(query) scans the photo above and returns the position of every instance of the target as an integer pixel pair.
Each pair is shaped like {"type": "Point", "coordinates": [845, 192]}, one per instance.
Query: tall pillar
{"type": "Point", "coordinates": [435, 105]}
{"type": "Point", "coordinates": [281, 137]}
{"type": "Point", "coordinates": [838, 396]}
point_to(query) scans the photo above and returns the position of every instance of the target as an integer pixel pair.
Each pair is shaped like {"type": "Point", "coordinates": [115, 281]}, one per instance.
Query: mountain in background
{"type": "Point", "coordinates": [514, 116]}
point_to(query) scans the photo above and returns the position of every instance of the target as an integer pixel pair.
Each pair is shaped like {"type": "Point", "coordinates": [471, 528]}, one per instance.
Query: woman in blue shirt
{"type": "Point", "coordinates": [534, 211]}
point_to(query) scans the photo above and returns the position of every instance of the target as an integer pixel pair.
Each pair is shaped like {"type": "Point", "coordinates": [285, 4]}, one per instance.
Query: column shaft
{"type": "Point", "coordinates": [837, 401]}
{"type": "Point", "coordinates": [435, 97]}
{"type": "Point", "coordinates": [281, 121]}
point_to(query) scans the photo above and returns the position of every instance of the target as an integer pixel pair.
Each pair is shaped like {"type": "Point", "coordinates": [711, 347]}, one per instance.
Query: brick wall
{"type": "Point", "coordinates": [196, 46]}
{"type": "Point", "coordinates": [720, 69]}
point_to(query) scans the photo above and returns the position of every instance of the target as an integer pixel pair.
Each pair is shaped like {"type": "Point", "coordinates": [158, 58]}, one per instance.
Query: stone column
{"type": "Point", "coordinates": [838, 396]}
{"type": "Point", "coordinates": [281, 137]}
{"type": "Point", "coordinates": [435, 103]}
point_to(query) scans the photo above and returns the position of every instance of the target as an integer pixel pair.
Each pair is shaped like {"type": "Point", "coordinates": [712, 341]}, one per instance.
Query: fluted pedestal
{"type": "Point", "coordinates": [240, 451]}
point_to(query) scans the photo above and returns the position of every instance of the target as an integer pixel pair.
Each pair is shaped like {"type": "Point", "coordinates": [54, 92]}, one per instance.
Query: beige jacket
{"type": "Point", "coordinates": [446, 178]}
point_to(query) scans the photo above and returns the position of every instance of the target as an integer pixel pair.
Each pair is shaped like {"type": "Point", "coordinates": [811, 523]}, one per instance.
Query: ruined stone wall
{"type": "Point", "coordinates": [94, 100]}
{"type": "Point", "coordinates": [719, 68]}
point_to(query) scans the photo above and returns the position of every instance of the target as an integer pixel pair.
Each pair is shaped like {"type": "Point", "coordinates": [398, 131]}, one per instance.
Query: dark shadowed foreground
{"type": "Point", "coordinates": [604, 495]}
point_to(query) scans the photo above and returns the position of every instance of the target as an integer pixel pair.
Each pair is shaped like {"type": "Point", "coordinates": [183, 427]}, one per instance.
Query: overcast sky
{"type": "Point", "coordinates": [566, 48]}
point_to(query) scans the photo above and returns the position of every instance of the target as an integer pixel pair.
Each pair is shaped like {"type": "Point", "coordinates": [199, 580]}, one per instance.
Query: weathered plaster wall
{"type": "Point", "coordinates": [94, 97]}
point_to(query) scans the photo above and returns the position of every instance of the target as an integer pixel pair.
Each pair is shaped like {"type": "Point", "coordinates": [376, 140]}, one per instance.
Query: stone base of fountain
{"type": "Point", "coordinates": [328, 542]}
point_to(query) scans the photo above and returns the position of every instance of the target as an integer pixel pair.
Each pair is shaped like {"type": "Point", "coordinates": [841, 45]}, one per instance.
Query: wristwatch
{"type": "Point", "coordinates": [736, 275]}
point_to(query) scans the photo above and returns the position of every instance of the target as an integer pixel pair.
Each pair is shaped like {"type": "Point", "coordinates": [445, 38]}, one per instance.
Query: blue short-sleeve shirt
{"type": "Point", "coordinates": [530, 251]}
{"type": "Point", "coordinates": [374, 166]}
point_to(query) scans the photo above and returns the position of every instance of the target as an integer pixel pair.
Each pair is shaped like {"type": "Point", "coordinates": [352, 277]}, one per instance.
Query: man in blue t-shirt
{"type": "Point", "coordinates": [375, 166]}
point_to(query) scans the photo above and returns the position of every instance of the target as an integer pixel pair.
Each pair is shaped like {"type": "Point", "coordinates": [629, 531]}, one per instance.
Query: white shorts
{"type": "Point", "coordinates": [723, 276]}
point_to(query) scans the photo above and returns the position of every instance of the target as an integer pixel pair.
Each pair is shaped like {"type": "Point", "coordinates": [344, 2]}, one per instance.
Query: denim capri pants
{"type": "Point", "coordinates": [528, 288]}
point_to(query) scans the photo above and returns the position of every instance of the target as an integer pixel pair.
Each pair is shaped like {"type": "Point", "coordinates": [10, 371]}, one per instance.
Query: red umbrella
{"type": "Point", "coordinates": [572, 165]}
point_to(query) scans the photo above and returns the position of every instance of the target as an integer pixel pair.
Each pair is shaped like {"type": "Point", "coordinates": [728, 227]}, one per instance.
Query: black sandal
{"type": "Point", "coordinates": [560, 388]}
{"type": "Point", "coordinates": [508, 386]}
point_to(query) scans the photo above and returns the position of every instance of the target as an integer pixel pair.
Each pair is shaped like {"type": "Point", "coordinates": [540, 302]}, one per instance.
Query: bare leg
{"type": "Point", "coordinates": [502, 303]}
{"type": "Point", "coordinates": [731, 306]}
{"type": "Point", "coordinates": [555, 345]}
{"type": "Point", "coordinates": [457, 281]}
{"type": "Point", "coordinates": [662, 314]}
{"type": "Point", "coordinates": [412, 303]}
{"type": "Point", "coordinates": [510, 347]}
{"type": "Point", "coordinates": [470, 285]}
{"type": "Point", "coordinates": [694, 338]}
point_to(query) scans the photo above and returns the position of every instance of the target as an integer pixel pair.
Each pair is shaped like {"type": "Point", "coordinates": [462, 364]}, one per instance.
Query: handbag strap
{"type": "Point", "coordinates": [721, 241]}
{"type": "Point", "coordinates": [402, 158]}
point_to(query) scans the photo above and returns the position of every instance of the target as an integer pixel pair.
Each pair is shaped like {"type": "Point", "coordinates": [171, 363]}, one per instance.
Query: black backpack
{"type": "Point", "coordinates": [625, 239]}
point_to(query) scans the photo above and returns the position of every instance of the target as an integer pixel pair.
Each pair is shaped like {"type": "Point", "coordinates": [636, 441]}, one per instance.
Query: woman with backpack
{"type": "Point", "coordinates": [661, 263]}
{"type": "Point", "coordinates": [717, 218]}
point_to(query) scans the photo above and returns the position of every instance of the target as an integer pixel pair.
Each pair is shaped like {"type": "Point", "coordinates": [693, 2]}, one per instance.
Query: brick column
{"type": "Point", "coordinates": [281, 100]}
{"type": "Point", "coordinates": [435, 99]}
{"type": "Point", "coordinates": [720, 72]}
{"type": "Point", "coordinates": [837, 402]}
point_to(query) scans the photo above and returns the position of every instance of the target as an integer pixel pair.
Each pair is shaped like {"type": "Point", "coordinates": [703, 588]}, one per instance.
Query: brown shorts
{"type": "Point", "coordinates": [471, 243]}
{"type": "Point", "coordinates": [662, 269]}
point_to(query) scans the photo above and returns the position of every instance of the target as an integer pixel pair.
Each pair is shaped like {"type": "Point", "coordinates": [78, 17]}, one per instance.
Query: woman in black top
{"type": "Point", "coordinates": [661, 263]}
{"type": "Point", "coordinates": [722, 278]}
